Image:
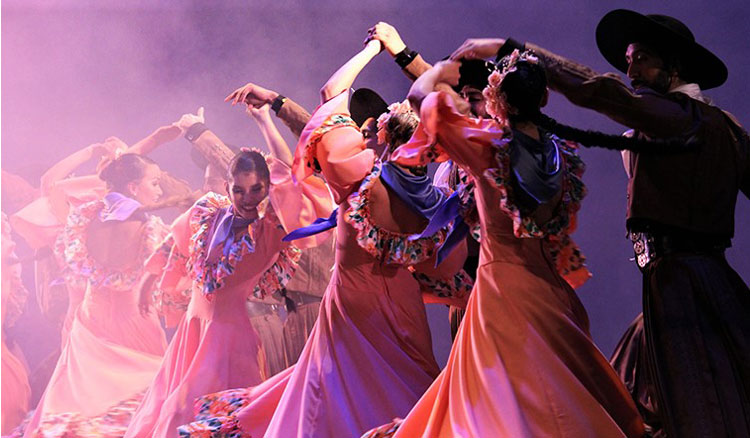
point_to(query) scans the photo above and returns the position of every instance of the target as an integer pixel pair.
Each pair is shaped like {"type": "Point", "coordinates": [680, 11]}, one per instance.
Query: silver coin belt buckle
{"type": "Point", "coordinates": [644, 249]}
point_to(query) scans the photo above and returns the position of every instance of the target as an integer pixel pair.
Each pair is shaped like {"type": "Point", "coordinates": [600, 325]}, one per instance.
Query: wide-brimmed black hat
{"type": "Point", "coordinates": [622, 27]}
{"type": "Point", "coordinates": [364, 104]}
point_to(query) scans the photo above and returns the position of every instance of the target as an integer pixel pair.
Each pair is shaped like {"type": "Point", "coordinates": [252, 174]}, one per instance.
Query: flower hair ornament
{"type": "Point", "coordinates": [393, 110]}
{"type": "Point", "coordinates": [497, 106]}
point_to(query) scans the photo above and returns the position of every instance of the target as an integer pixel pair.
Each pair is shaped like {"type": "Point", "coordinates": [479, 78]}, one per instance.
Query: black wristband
{"type": "Point", "coordinates": [277, 104]}
{"type": "Point", "coordinates": [194, 131]}
{"type": "Point", "coordinates": [405, 57]}
{"type": "Point", "coordinates": [508, 48]}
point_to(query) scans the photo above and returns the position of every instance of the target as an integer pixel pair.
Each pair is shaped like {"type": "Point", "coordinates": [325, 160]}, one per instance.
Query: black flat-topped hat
{"type": "Point", "coordinates": [364, 104]}
{"type": "Point", "coordinates": [622, 27]}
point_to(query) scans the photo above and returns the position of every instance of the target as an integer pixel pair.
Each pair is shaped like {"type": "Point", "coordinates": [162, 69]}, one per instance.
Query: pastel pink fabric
{"type": "Point", "coordinates": [523, 363]}
{"type": "Point", "coordinates": [215, 346]}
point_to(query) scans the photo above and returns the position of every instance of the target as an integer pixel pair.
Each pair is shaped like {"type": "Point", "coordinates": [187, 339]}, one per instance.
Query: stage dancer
{"type": "Point", "coordinates": [112, 352]}
{"type": "Point", "coordinates": [234, 249]}
{"type": "Point", "coordinates": [523, 363]}
{"type": "Point", "coordinates": [695, 304]}
{"type": "Point", "coordinates": [15, 391]}
{"type": "Point", "coordinates": [315, 266]}
{"type": "Point", "coordinates": [369, 356]}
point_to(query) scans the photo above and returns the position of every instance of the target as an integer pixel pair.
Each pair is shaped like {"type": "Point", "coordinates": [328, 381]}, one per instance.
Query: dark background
{"type": "Point", "coordinates": [76, 72]}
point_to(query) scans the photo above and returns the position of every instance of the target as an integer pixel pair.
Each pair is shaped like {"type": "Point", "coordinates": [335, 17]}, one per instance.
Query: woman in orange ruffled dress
{"type": "Point", "coordinates": [232, 248]}
{"type": "Point", "coordinates": [523, 363]}
{"type": "Point", "coordinates": [369, 357]}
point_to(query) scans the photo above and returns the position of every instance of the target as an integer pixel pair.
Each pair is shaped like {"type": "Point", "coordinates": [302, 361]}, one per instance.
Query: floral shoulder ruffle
{"type": "Point", "coordinates": [211, 276]}
{"type": "Point", "coordinates": [72, 248]}
{"type": "Point", "coordinates": [387, 246]}
{"type": "Point", "coordinates": [568, 258]}
{"type": "Point", "coordinates": [334, 121]}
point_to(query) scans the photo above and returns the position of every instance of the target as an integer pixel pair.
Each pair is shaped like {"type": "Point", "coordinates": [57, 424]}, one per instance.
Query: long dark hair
{"type": "Point", "coordinates": [523, 88]}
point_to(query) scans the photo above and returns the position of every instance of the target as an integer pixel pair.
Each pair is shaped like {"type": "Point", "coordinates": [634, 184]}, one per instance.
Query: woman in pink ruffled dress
{"type": "Point", "coordinates": [113, 351]}
{"type": "Point", "coordinates": [234, 249]}
{"type": "Point", "coordinates": [523, 364]}
{"type": "Point", "coordinates": [369, 357]}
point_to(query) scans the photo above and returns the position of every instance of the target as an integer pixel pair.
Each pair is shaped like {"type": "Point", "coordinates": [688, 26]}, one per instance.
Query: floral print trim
{"type": "Point", "coordinates": [279, 274]}
{"type": "Point", "coordinates": [112, 424]}
{"type": "Point", "coordinates": [73, 250]}
{"type": "Point", "coordinates": [387, 246]}
{"type": "Point", "coordinates": [384, 431]}
{"type": "Point", "coordinates": [457, 287]}
{"type": "Point", "coordinates": [168, 261]}
{"type": "Point", "coordinates": [214, 415]}
{"type": "Point", "coordinates": [211, 276]}
{"type": "Point", "coordinates": [568, 258]}
{"type": "Point", "coordinates": [332, 122]}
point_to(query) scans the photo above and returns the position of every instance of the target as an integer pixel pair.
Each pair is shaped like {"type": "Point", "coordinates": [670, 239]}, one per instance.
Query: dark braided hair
{"type": "Point", "coordinates": [524, 86]}
{"type": "Point", "coordinates": [247, 160]}
{"type": "Point", "coordinates": [123, 170]}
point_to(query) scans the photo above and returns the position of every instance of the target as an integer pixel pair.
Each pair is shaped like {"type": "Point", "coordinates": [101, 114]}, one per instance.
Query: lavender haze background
{"type": "Point", "coordinates": [76, 72]}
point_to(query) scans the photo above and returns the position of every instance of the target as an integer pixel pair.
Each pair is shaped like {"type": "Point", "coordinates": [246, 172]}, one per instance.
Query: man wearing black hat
{"type": "Point", "coordinates": [680, 211]}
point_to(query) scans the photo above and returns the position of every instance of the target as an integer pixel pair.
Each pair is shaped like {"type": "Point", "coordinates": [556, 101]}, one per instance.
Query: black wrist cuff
{"type": "Point", "coordinates": [405, 57]}
{"type": "Point", "coordinates": [277, 104]}
{"type": "Point", "coordinates": [508, 48]}
{"type": "Point", "coordinates": [195, 131]}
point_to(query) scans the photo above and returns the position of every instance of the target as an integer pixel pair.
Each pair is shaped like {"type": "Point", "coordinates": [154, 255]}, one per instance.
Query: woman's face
{"type": "Point", "coordinates": [369, 131]}
{"type": "Point", "coordinates": [147, 190]}
{"type": "Point", "coordinates": [246, 190]}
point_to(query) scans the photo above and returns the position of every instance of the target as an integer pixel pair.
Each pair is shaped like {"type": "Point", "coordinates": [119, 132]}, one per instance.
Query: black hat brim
{"type": "Point", "coordinates": [364, 104]}
{"type": "Point", "coordinates": [621, 27]}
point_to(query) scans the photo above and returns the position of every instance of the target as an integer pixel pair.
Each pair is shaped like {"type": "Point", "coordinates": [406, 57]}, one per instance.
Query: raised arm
{"type": "Point", "coordinates": [275, 142]}
{"type": "Point", "coordinates": [294, 116]}
{"type": "Point", "coordinates": [344, 77]}
{"type": "Point", "coordinates": [411, 62]}
{"type": "Point", "coordinates": [208, 144]}
{"type": "Point", "coordinates": [63, 168]}
{"type": "Point", "coordinates": [161, 135]}
{"type": "Point", "coordinates": [652, 113]}
{"type": "Point", "coordinates": [442, 77]}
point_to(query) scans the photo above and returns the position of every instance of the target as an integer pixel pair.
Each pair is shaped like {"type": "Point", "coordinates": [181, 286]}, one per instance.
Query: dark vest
{"type": "Point", "coordinates": [694, 191]}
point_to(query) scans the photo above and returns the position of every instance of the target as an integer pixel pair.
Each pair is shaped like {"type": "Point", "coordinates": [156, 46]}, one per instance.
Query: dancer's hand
{"type": "Point", "coordinates": [478, 48]}
{"type": "Point", "coordinates": [251, 94]}
{"type": "Point", "coordinates": [188, 120]}
{"type": "Point", "coordinates": [261, 113]}
{"type": "Point", "coordinates": [388, 35]}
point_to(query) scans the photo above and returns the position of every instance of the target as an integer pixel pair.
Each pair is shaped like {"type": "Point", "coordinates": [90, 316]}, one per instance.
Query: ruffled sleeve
{"type": "Point", "coordinates": [445, 134]}
{"type": "Point", "coordinates": [173, 289]}
{"type": "Point", "coordinates": [298, 205]}
{"type": "Point", "coordinates": [332, 144]}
